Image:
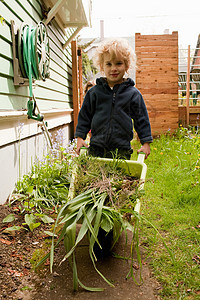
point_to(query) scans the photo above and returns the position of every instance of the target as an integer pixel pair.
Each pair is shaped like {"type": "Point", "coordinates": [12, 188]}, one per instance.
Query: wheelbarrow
{"type": "Point", "coordinates": [86, 210]}
{"type": "Point", "coordinates": [136, 169]}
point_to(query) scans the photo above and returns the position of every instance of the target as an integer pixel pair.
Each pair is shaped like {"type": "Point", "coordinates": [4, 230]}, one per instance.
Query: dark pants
{"type": "Point", "coordinates": [106, 241]}
{"type": "Point", "coordinates": [115, 153]}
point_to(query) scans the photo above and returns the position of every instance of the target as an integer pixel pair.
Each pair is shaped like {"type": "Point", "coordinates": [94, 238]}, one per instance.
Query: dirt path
{"type": "Point", "coordinates": [18, 281]}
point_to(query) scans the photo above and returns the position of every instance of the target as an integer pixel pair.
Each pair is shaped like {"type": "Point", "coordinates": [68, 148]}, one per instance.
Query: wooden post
{"type": "Point", "coordinates": [80, 72]}
{"type": "Point", "coordinates": [188, 89]}
{"type": "Point", "coordinates": [75, 82]}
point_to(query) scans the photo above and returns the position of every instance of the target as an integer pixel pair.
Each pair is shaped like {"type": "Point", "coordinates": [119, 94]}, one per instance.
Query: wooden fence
{"type": "Point", "coordinates": [157, 78]}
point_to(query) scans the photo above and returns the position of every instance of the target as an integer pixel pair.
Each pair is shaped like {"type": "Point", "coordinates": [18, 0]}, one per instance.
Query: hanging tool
{"type": "Point", "coordinates": [31, 106]}
{"type": "Point", "coordinates": [44, 126]}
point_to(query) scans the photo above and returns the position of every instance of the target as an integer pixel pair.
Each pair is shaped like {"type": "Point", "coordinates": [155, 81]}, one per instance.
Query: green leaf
{"type": "Point", "coordinates": [30, 189]}
{"type": "Point", "coordinates": [13, 228]}
{"type": "Point", "coordinates": [51, 253]}
{"type": "Point", "coordinates": [90, 289]}
{"type": "Point", "coordinates": [104, 278]}
{"type": "Point", "coordinates": [97, 220]}
{"type": "Point", "coordinates": [46, 219]}
{"type": "Point", "coordinates": [28, 205]}
{"type": "Point", "coordinates": [84, 228]}
{"type": "Point", "coordinates": [49, 233]}
{"type": "Point", "coordinates": [93, 232]}
{"type": "Point", "coordinates": [53, 247]}
{"type": "Point", "coordinates": [67, 217]}
{"type": "Point", "coordinates": [106, 224]}
{"type": "Point", "coordinates": [129, 226]}
{"type": "Point", "coordinates": [75, 274]}
{"type": "Point", "coordinates": [9, 218]}
{"type": "Point", "coordinates": [31, 221]}
{"type": "Point", "coordinates": [26, 288]}
{"type": "Point", "coordinates": [34, 225]}
{"type": "Point", "coordinates": [70, 236]}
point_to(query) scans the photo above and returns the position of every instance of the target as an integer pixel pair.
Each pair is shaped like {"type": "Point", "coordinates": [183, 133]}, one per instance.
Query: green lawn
{"type": "Point", "coordinates": [172, 204]}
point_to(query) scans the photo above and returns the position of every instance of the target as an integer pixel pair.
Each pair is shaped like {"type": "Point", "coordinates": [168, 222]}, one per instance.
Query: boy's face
{"type": "Point", "coordinates": [114, 69]}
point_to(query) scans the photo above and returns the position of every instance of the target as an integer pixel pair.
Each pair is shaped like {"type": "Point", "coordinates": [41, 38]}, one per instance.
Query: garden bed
{"type": "Point", "coordinates": [27, 224]}
{"type": "Point", "coordinates": [171, 203]}
{"type": "Point", "coordinates": [19, 281]}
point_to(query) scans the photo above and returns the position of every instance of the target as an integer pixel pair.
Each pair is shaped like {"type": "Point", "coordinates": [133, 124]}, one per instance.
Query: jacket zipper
{"type": "Point", "coordinates": [111, 117]}
{"type": "Point", "coordinates": [113, 99]}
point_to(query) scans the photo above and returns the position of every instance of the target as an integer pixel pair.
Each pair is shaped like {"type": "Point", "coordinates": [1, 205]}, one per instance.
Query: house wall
{"type": "Point", "coordinates": [157, 78]}
{"type": "Point", "coordinates": [54, 96]}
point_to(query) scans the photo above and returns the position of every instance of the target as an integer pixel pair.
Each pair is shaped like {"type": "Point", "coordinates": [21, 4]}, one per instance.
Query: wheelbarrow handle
{"type": "Point", "coordinates": [83, 150]}
{"type": "Point", "coordinates": [141, 157]}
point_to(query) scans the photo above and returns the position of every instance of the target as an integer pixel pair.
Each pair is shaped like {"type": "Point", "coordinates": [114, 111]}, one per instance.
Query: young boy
{"type": "Point", "coordinates": [110, 106]}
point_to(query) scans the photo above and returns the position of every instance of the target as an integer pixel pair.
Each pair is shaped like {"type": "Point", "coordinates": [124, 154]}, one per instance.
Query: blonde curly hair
{"type": "Point", "coordinates": [115, 47]}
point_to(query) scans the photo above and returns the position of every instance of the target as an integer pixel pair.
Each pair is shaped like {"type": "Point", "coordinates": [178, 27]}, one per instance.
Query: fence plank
{"type": "Point", "coordinates": [157, 78]}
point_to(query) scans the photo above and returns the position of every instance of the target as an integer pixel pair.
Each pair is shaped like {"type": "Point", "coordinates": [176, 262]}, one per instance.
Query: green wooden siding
{"type": "Point", "coordinates": [56, 91]}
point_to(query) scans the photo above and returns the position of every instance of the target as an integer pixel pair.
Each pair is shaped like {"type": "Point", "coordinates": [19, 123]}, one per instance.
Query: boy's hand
{"type": "Point", "coordinates": [80, 143]}
{"type": "Point", "coordinates": [146, 149]}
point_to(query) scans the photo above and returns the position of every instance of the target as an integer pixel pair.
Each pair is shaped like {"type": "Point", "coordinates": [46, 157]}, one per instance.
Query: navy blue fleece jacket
{"type": "Point", "coordinates": [109, 114]}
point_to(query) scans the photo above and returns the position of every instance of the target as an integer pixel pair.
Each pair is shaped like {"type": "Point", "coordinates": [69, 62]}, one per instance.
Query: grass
{"type": "Point", "coordinates": [172, 204]}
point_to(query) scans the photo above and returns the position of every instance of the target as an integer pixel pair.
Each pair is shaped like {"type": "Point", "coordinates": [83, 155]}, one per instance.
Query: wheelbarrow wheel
{"type": "Point", "coordinates": [105, 239]}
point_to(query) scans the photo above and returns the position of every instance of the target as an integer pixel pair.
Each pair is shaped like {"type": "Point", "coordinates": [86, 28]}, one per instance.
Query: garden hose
{"type": "Point", "coordinates": [33, 52]}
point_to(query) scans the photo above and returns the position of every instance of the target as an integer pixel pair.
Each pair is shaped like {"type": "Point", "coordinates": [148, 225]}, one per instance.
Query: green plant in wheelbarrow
{"type": "Point", "coordinates": [104, 194]}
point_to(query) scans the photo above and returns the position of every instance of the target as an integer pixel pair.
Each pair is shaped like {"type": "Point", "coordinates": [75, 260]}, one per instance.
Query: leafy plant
{"type": "Point", "coordinates": [89, 208]}
{"type": "Point", "coordinates": [47, 185]}
{"type": "Point", "coordinates": [30, 220]}
{"type": "Point", "coordinates": [100, 211]}
{"type": "Point", "coordinates": [42, 190]}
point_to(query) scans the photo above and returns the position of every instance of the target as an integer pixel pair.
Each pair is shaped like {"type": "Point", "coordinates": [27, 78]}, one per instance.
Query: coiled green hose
{"type": "Point", "coordinates": [29, 57]}
{"type": "Point", "coordinates": [33, 50]}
